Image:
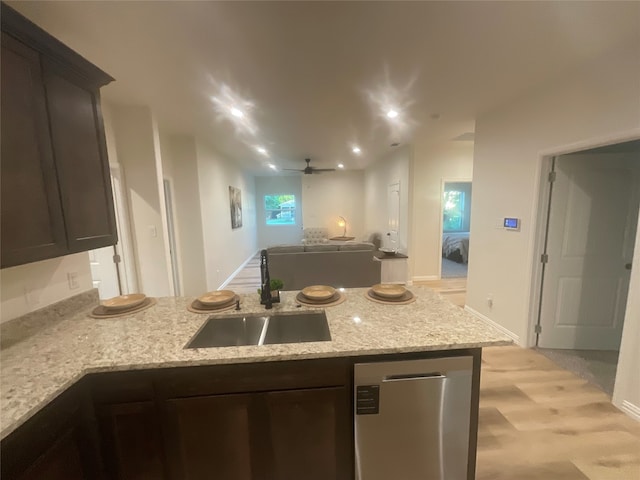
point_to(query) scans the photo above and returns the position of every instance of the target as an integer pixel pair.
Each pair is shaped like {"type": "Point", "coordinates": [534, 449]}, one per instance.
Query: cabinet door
{"type": "Point", "coordinates": [310, 434]}
{"type": "Point", "coordinates": [60, 462]}
{"type": "Point", "coordinates": [132, 441]}
{"type": "Point", "coordinates": [32, 223]}
{"type": "Point", "coordinates": [78, 140]}
{"type": "Point", "coordinates": [211, 438]}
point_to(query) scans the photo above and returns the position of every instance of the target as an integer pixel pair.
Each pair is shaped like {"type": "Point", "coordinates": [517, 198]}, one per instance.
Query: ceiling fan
{"type": "Point", "coordinates": [308, 170]}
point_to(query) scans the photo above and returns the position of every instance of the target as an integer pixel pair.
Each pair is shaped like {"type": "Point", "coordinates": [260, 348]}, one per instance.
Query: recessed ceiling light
{"type": "Point", "coordinates": [272, 166]}
{"type": "Point", "coordinates": [236, 112]}
{"type": "Point", "coordinates": [340, 165]}
{"type": "Point", "coordinates": [356, 149]}
{"type": "Point", "coordinates": [262, 150]}
{"type": "Point", "coordinates": [392, 113]}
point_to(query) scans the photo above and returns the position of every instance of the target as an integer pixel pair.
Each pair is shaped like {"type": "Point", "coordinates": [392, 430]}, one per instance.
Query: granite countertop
{"type": "Point", "coordinates": [34, 371]}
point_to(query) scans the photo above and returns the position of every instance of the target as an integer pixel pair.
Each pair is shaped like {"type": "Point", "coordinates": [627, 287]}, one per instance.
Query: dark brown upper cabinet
{"type": "Point", "coordinates": [55, 183]}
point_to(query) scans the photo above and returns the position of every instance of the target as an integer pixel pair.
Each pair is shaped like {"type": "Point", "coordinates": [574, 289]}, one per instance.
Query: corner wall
{"type": "Point", "coordinates": [393, 168]}
{"type": "Point", "coordinates": [433, 162]}
{"type": "Point", "coordinates": [26, 288]}
{"type": "Point", "coordinates": [137, 145]}
{"type": "Point", "coordinates": [596, 104]}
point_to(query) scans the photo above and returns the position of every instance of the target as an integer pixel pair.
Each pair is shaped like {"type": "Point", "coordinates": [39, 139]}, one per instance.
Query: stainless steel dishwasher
{"type": "Point", "coordinates": [412, 419]}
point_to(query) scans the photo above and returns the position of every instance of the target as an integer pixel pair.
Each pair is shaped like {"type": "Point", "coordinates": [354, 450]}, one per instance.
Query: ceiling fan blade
{"type": "Point", "coordinates": [324, 170]}
{"type": "Point", "coordinates": [292, 169]}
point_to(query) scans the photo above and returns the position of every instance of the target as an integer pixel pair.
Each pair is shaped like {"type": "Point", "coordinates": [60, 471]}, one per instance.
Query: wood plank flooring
{"type": "Point", "coordinates": [539, 421]}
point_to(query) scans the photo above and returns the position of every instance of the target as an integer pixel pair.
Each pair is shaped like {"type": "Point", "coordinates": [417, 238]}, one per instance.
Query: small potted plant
{"type": "Point", "coordinates": [275, 285]}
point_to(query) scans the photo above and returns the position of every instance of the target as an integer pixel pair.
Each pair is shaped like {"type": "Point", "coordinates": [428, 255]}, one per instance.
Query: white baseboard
{"type": "Point", "coordinates": [237, 270]}
{"type": "Point", "coordinates": [486, 319]}
{"type": "Point", "coordinates": [425, 278]}
{"type": "Point", "coordinates": [630, 409]}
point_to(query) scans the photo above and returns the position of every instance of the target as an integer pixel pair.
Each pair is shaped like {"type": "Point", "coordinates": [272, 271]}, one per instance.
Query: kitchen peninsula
{"type": "Point", "coordinates": [135, 368]}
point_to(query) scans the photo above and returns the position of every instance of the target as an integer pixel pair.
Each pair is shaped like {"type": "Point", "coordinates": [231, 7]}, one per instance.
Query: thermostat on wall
{"type": "Point", "coordinates": [511, 223]}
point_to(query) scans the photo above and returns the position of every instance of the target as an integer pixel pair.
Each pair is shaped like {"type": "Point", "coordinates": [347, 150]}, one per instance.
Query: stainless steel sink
{"type": "Point", "coordinates": [257, 329]}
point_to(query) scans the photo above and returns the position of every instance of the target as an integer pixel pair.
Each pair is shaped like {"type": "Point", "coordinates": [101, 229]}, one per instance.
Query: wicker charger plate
{"type": "Point", "coordinates": [197, 307]}
{"type": "Point", "coordinates": [336, 299]}
{"type": "Point", "coordinates": [407, 297]}
{"type": "Point", "coordinates": [102, 312]}
{"type": "Point", "coordinates": [389, 290]}
{"type": "Point", "coordinates": [217, 298]}
{"type": "Point", "coordinates": [318, 293]}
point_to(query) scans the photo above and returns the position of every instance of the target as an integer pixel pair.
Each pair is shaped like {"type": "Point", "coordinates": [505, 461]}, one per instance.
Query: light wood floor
{"type": "Point", "coordinates": [537, 420]}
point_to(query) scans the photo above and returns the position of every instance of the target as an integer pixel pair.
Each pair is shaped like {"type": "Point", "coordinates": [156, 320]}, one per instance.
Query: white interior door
{"type": "Point", "coordinates": [393, 210]}
{"type": "Point", "coordinates": [592, 225]}
{"type": "Point", "coordinates": [104, 272]}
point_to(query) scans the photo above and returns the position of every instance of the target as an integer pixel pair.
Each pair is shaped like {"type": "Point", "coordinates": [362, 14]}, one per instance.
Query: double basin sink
{"type": "Point", "coordinates": [258, 329]}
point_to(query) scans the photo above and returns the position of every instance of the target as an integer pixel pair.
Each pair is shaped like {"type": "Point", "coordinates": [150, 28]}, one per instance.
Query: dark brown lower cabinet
{"type": "Point", "coordinates": [309, 434]}
{"type": "Point", "coordinates": [211, 437]}
{"type": "Point", "coordinates": [62, 461]}
{"type": "Point", "coordinates": [284, 435]}
{"type": "Point", "coordinates": [58, 443]}
{"type": "Point", "coordinates": [131, 440]}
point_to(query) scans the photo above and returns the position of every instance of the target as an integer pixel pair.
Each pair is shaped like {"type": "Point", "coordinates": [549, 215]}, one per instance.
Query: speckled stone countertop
{"type": "Point", "coordinates": [37, 369]}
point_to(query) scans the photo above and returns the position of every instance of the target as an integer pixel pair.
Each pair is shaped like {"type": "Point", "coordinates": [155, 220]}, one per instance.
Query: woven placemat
{"type": "Point", "coordinates": [407, 298]}
{"type": "Point", "coordinates": [197, 307]}
{"type": "Point", "coordinates": [102, 312]}
{"type": "Point", "coordinates": [332, 302]}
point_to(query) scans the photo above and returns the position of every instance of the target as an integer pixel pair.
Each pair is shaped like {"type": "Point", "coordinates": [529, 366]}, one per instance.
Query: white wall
{"type": "Point", "coordinates": [329, 195]}
{"type": "Point", "coordinates": [393, 168]}
{"type": "Point", "coordinates": [596, 103]}
{"type": "Point", "coordinates": [26, 288]}
{"type": "Point", "coordinates": [180, 165]}
{"type": "Point", "coordinates": [433, 162]}
{"type": "Point", "coordinates": [137, 145]}
{"type": "Point", "coordinates": [269, 235]}
{"type": "Point", "coordinates": [627, 388]}
{"type": "Point", "coordinates": [225, 248]}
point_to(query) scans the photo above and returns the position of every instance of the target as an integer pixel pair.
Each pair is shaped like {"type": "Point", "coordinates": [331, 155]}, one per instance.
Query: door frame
{"type": "Point", "coordinates": [172, 234]}
{"type": "Point", "coordinates": [126, 268]}
{"type": "Point", "coordinates": [540, 212]}
{"type": "Point", "coordinates": [444, 180]}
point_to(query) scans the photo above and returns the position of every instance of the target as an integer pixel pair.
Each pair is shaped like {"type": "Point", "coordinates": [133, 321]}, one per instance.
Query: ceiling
{"type": "Point", "coordinates": [312, 79]}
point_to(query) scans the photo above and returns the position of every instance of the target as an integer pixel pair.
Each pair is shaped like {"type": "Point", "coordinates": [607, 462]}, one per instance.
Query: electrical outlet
{"type": "Point", "coordinates": [72, 278]}
{"type": "Point", "coordinates": [153, 230]}
{"type": "Point", "coordinates": [490, 300]}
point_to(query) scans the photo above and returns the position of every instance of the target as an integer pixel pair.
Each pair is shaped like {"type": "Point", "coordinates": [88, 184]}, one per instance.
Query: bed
{"type": "Point", "coordinates": [455, 246]}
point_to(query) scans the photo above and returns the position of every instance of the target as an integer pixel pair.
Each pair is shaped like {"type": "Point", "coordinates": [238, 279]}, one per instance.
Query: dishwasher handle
{"type": "Point", "coordinates": [413, 376]}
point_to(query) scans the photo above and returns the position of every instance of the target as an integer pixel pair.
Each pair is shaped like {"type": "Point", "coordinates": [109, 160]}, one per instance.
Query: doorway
{"type": "Point", "coordinates": [591, 224]}
{"type": "Point", "coordinates": [456, 220]}
{"type": "Point", "coordinates": [112, 269]}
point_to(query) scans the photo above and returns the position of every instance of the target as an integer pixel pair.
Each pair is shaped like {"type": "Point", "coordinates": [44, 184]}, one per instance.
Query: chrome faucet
{"type": "Point", "coordinates": [265, 281]}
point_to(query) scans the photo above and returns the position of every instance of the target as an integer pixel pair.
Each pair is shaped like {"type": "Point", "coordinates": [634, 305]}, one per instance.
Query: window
{"type": "Point", "coordinates": [453, 215]}
{"type": "Point", "coordinates": [280, 209]}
